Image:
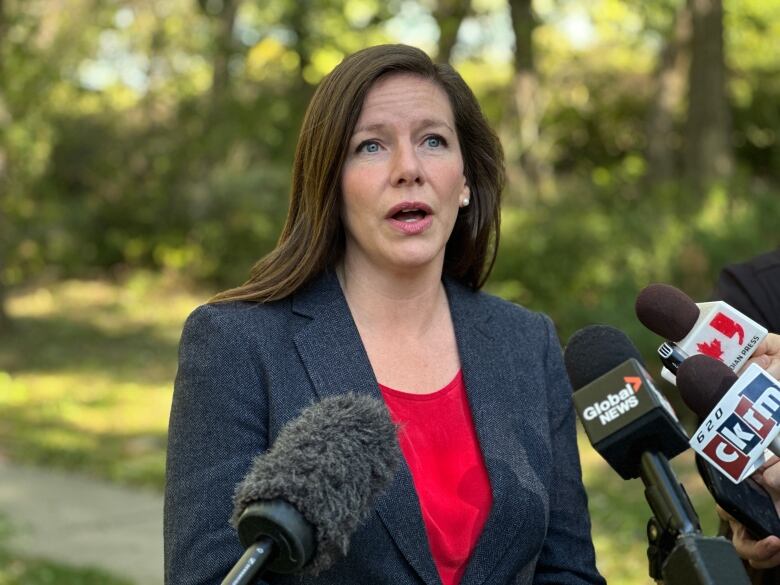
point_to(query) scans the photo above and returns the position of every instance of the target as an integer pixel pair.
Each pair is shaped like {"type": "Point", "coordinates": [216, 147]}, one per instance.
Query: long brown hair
{"type": "Point", "coordinates": [313, 235]}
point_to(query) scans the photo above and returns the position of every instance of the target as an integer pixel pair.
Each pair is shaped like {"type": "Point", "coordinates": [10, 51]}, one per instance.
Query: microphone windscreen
{"type": "Point", "coordinates": [666, 311]}
{"type": "Point", "coordinates": [595, 350]}
{"type": "Point", "coordinates": [331, 463]}
{"type": "Point", "coordinates": [702, 382]}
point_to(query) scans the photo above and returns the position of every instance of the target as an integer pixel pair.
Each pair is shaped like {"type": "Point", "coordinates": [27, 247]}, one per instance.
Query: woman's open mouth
{"type": "Point", "coordinates": [410, 217]}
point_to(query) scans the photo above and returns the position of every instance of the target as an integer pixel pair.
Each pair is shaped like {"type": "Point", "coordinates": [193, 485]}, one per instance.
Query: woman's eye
{"type": "Point", "coordinates": [434, 141]}
{"type": "Point", "coordinates": [368, 146]}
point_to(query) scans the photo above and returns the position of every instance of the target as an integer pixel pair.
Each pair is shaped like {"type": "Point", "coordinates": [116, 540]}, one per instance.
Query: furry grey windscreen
{"type": "Point", "coordinates": [595, 350]}
{"type": "Point", "coordinates": [331, 463]}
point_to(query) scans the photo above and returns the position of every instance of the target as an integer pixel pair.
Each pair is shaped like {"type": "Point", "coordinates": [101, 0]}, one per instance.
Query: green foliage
{"type": "Point", "coordinates": [584, 259]}
{"type": "Point", "coordinates": [120, 156]}
{"type": "Point", "coordinates": [584, 256]}
{"type": "Point", "coordinates": [207, 208]}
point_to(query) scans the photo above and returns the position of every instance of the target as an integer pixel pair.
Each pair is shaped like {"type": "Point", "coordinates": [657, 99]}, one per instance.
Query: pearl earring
{"type": "Point", "coordinates": [465, 202]}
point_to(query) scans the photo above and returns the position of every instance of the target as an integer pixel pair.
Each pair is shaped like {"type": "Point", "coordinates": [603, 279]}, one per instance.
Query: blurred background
{"type": "Point", "coordinates": [145, 153]}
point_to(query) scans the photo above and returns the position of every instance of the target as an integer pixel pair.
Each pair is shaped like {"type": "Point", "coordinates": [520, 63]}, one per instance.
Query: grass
{"type": "Point", "coordinates": [15, 570]}
{"type": "Point", "coordinates": [25, 571]}
{"type": "Point", "coordinates": [86, 375]}
{"type": "Point", "coordinates": [86, 381]}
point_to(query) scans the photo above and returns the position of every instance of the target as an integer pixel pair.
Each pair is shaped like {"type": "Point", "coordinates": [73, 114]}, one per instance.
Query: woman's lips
{"type": "Point", "coordinates": [411, 227]}
{"type": "Point", "coordinates": [410, 217]}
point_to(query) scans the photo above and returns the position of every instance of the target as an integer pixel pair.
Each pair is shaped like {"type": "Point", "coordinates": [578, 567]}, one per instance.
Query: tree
{"type": "Point", "coordinates": [532, 172]}
{"type": "Point", "coordinates": [671, 83]}
{"type": "Point", "coordinates": [708, 155]}
{"type": "Point", "coordinates": [224, 14]}
{"type": "Point", "coordinates": [449, 15]}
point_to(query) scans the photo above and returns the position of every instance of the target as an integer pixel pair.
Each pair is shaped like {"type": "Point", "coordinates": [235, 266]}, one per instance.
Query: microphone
{"type": "Point", "coordinates": [740, 415]}
{"type": "Point", "coordinates": [301, 500]}
{"type": "Point", "coordinates": [703, 382]}
{"type": "Point", "coordinates": [670, 313]}
{"type": "Point", "coordinates": [716, 329]}
{"type": "Point", "coordinates": [623, 413]}
{"type": "Point", "coordinates": [634, 429]}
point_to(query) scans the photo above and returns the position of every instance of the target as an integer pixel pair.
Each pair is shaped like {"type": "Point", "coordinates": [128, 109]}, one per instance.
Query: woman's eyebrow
{"type": "Point", "coordinates": [369, 128]}
{"type": "Point", "coordinates": [434, 123]}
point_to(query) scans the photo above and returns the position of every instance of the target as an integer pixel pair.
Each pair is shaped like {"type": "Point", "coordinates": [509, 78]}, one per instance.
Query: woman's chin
{"type": "Point", "coordinates": [399, 258]}
{"type": "Point", "coordinates": [415, 261]}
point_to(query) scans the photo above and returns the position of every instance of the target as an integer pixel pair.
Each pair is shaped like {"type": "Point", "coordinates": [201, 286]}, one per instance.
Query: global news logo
{"type": "Point", "coordinates": [617, 404]}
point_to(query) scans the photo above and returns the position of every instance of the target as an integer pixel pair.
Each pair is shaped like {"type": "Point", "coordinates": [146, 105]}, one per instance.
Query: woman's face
{"type": "Point", "coordinates": [403, 180]}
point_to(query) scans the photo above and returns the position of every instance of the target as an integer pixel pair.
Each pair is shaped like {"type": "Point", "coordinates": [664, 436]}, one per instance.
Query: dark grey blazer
{"type": "Point", "coordinates": [245, 369]}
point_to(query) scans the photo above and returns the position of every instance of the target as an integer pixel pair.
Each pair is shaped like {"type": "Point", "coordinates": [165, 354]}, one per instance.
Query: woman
{"type": "Point", "coordinates": [373, 288]}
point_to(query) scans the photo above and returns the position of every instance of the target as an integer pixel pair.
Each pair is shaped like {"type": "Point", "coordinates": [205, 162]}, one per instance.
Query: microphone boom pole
{"type": "Point", "coordinates": [677, 551]}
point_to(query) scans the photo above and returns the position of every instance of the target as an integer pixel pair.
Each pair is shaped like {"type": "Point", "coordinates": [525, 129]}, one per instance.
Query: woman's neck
{"type": "Point", "coordinates": [392, 302]}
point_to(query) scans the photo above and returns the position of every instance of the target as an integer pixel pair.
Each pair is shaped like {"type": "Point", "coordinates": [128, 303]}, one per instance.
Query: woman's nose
{"type": "Point", "coordinates": [406, 168]}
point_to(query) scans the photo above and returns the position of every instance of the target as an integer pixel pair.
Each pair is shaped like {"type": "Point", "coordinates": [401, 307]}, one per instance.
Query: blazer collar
{"type": "Point", "coordinates": [336, 361]}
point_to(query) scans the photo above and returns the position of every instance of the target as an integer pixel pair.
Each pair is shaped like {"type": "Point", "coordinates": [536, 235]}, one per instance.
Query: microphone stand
{"type": "Point", "coordinates": [679, 554]}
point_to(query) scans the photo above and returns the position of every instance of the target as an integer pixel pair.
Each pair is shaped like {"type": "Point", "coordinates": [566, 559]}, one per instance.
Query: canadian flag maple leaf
{"type": "Point", "coordinates": [713, 349]}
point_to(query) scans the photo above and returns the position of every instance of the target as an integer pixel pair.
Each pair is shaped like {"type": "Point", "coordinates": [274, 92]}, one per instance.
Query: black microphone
{"type": "Point", "coordinates": [622, 412]}
{"type": "Point", "coordinates": [301, 500]}
{"type": "Point", "coordinates": [633, 427]}
{"type": "Point", "coordinates": [702, 382]}
{"type": "Point", "coordinates": [666, 310]}
{"type": "Point", "coordinates": [670, 313]}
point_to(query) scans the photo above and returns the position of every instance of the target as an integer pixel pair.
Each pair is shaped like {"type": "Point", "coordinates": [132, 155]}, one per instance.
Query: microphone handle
{"type": "Point", "coordinates": [666, 496]}
{"type": "Point", "coordinates": [250, 563]}
{"type": "Point", "coordinates": [671, 356]}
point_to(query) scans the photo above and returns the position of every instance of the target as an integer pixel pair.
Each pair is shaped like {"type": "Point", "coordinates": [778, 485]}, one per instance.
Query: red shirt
{"type": "Point", "coordinates": [440, 445]}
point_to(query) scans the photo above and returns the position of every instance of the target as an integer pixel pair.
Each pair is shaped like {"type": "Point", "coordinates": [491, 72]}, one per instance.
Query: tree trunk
{"type": "Point", "coordinates": [673, 64]}
{"type": "Point", "coordinates": [708, 150]}
{"type": "Point", "coordinates": [224, 49]}
{"type": "Point", "coordinates": [297, 18]}
{"type": "Point", "coordinates": [526, 165]}
{"type": "Point", "coordinates": [449, 14]}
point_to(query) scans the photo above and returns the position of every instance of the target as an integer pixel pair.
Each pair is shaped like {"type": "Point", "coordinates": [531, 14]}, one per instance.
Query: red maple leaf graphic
{"type": "Point", "coordinates": [713, 349]}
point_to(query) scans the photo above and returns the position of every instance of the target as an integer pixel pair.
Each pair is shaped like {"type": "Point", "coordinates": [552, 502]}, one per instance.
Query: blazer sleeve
{"type": "Point", "coordinates": [567, 556]}
{"type": "Point", "coordinates": [217, 424]}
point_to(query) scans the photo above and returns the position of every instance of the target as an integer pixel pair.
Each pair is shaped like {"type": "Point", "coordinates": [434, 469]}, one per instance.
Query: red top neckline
{"type": "Point", "coordinates": [457, 379]}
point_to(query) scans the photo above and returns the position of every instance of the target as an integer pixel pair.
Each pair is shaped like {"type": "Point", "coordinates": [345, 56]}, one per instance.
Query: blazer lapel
{"type": "Point", "coordinates": [492, 378]}
{"type": "Point", "coordinates": [336, 362]}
